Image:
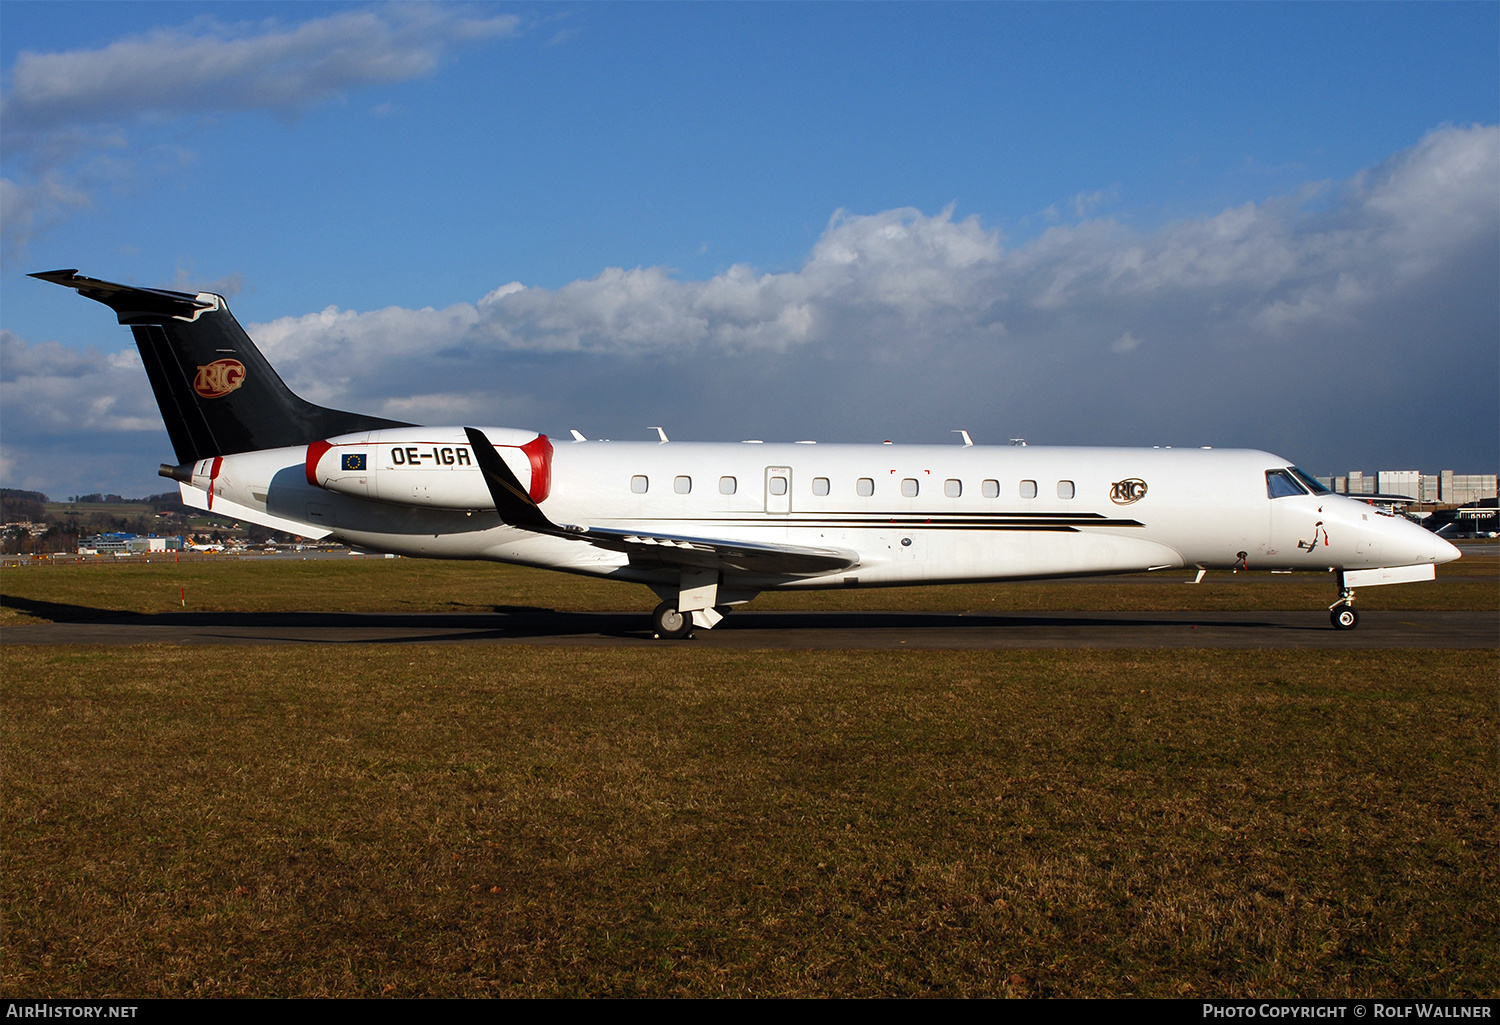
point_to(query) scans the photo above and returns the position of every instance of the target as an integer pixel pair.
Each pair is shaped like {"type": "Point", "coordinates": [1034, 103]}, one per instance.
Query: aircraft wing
{"type": "Point", "coordinates": [517, 509]}
{"type": "Point", "coordinates": [711, 553]}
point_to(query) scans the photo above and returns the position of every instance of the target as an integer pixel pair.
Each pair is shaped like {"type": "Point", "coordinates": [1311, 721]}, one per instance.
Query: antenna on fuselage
{"type": "Point", "coordinates": [659, 433]}
{"type": "Point", "coordinates": [577, 436]}
{"type": "Point", "coordinates": [968, 441]}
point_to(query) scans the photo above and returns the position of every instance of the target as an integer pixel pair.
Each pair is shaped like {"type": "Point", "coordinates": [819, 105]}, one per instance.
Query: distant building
{"type": "Point", "coordinates": [1443, 488]}
{"type": "Point", "coordinates": [117, 544]}
{"type": "Point", "coordinates": [1468, 487]}
{"type": "Point", "coordinates": [1399, 482]}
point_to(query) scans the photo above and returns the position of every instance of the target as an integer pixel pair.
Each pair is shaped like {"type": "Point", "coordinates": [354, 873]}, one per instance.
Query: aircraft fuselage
{"type": "Point", "coordinates": [913, 514]}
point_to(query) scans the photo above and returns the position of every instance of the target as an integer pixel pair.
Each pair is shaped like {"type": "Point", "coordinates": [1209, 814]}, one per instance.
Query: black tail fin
{"type": "Point", "coordinates": [217, 393]}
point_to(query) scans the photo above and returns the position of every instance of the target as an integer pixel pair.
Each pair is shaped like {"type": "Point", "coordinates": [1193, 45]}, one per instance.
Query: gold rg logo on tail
{"type": "Point", "coordinates": [219, 378]}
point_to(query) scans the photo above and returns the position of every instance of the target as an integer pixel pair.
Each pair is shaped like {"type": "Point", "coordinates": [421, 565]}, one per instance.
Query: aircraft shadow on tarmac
{"type": "Point", "coordinates": [522, 622]}
{"type": "Point", "coordinates": [60, 612]}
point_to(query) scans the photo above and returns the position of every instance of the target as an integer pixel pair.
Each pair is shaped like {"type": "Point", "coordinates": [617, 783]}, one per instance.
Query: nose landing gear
{"type": "Point", "coordinates": [1342, 613]}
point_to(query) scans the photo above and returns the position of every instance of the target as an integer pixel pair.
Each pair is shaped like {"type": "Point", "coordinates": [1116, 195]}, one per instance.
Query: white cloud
{"type": "Point", "coordinates": [216, 67]}
{"type": "Point", "coordinates": [77, 421]}
{"type": "Point", "coordinates": [51, 388]}
{"type": "Point", "coordinates": [1086, 202]}
{"type": "Point", "coordinates": [895, 267]}
{"type": "Point", "coordinates": [27, 208]}
{"type": "Point", "coordinates": [63, 107]}
{"type": "Point", "coordinates": [901, 278]}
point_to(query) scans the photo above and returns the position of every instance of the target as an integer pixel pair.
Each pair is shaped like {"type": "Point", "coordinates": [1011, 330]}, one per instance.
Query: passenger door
{"type": "Point", "coordinates": [778, 490]}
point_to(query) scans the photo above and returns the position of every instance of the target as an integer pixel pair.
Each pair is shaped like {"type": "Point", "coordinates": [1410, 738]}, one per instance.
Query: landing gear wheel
{"type": "Point", "coordinates": [1344, 618]}
{"type": "Point", "coordinates": [670, 624]}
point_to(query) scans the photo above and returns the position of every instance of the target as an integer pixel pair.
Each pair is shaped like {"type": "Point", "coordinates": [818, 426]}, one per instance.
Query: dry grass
{"type": "Point", "coordinates": [681, 821]}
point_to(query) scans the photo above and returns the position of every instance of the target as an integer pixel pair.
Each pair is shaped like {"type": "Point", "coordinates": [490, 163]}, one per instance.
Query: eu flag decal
{"type": "Point", "coordinates": [354, 461]}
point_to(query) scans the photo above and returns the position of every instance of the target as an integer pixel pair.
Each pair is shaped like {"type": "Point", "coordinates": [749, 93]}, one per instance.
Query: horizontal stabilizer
{"type": "Point", "coordinates": [131, 299]}
{"type": "Point", "coordinates": [197, 498]}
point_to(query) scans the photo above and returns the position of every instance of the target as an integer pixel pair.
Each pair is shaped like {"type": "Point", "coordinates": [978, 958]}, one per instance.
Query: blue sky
{"type": "Point", "coordinates": [1268, 225]}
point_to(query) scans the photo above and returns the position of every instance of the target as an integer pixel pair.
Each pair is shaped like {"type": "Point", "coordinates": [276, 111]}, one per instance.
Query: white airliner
{"type": "Point", "coordinates": [709, 526]}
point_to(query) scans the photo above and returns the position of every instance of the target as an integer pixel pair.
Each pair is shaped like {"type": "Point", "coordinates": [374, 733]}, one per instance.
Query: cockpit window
{"type": "Point", "coordinates": [1281, 484]}
{"type": "Point", "coordinates": [1312, 483]}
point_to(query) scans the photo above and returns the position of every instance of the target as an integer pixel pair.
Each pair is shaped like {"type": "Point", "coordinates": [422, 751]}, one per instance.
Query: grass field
{"type": "Point", "coordinates": [463, 821]}
{"type": "Point", "coordinates": [66, 591]}
{"type": "Point", "coordinates": [425, 821]}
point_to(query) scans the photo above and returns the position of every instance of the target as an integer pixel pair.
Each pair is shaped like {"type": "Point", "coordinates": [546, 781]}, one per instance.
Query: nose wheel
{"type": "Point", "coordinates": [670, 624]}
{"type": "Point", "coordinates": [1341, 613]}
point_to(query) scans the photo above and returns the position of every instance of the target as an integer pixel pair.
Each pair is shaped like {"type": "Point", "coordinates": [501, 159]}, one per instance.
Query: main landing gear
{"type": "Point", "coordinates": [694, 602]}
{"type": "Point", "coordinates": [1341, 612]}
{"type": "Point", "coordinates": [670, 624]}
{"type": "Point", "coordinates": [673, 625]}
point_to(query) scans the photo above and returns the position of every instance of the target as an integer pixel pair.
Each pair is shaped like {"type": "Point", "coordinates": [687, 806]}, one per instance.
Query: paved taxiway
{"type": "Point", "coordinates": [748, 629]}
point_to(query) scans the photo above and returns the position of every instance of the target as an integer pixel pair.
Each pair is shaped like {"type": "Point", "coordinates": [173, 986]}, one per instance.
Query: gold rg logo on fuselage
{"type": "Point", "coordinates": [219, 378]}
{"type": "Point", "coordinates": [1123, 492]}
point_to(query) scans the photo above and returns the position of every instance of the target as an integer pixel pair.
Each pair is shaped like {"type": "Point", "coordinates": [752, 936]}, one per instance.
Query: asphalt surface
{"type": "Point", "coordinates": [748, 629]}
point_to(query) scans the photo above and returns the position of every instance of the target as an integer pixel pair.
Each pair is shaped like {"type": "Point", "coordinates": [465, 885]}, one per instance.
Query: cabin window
{"type": "Point", "coordinates": [638, 484]}
{"type": "Point", "coordinates": [1028, 489]}
{"type": "Point", "coordinates": [1281, 484]}
{"type": "Point", "coordinates": [952, 488]}
{"type": "Point", "coordinates": [820, 485]}
{"type": "Point", "coordinates": [909, 487]}
{"type": "Point", "coordinates": [864, 487]}
{"type": "Point", "coordinates": [1065, 489]}
{"type": "Point", "coordinates": [726, 485]}
{"type": "Point", "coordinates": [778, 485]}
{"type": "Point", "coordinates": [683, 485]}
{"type": "Point", "coordinates": [990, 489]}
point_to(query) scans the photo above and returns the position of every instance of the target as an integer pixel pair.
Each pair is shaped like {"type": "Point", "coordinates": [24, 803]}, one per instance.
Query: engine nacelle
{"type": "Point", "coordinates": [427, 466]}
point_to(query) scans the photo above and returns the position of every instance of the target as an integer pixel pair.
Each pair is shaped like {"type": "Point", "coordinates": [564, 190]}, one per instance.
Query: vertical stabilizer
{"type": "Point", "coordinates": [217, 393]}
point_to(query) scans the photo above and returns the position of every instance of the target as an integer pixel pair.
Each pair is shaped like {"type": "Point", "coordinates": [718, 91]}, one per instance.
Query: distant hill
{"type": "Point", "coordinates": [17, 505]}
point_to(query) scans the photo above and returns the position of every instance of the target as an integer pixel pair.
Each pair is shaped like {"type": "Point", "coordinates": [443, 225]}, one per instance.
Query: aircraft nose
{"type": "Point", "coordinates": [1400, 542]}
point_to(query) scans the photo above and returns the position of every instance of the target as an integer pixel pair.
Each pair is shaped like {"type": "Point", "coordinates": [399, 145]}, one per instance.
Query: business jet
{"type": "Point", "coordinates": [709, 526]}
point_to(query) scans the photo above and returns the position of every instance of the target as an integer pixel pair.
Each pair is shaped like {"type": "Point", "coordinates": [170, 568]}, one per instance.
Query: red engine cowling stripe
{"type": "Point", "coordinates": [315, 452]}
{"type": "Point", "coordinates": [539, 451]}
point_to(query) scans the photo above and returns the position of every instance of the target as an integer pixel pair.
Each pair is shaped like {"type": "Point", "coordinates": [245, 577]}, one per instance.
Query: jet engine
{"type": "Point", "coordinates": [426, 466]}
